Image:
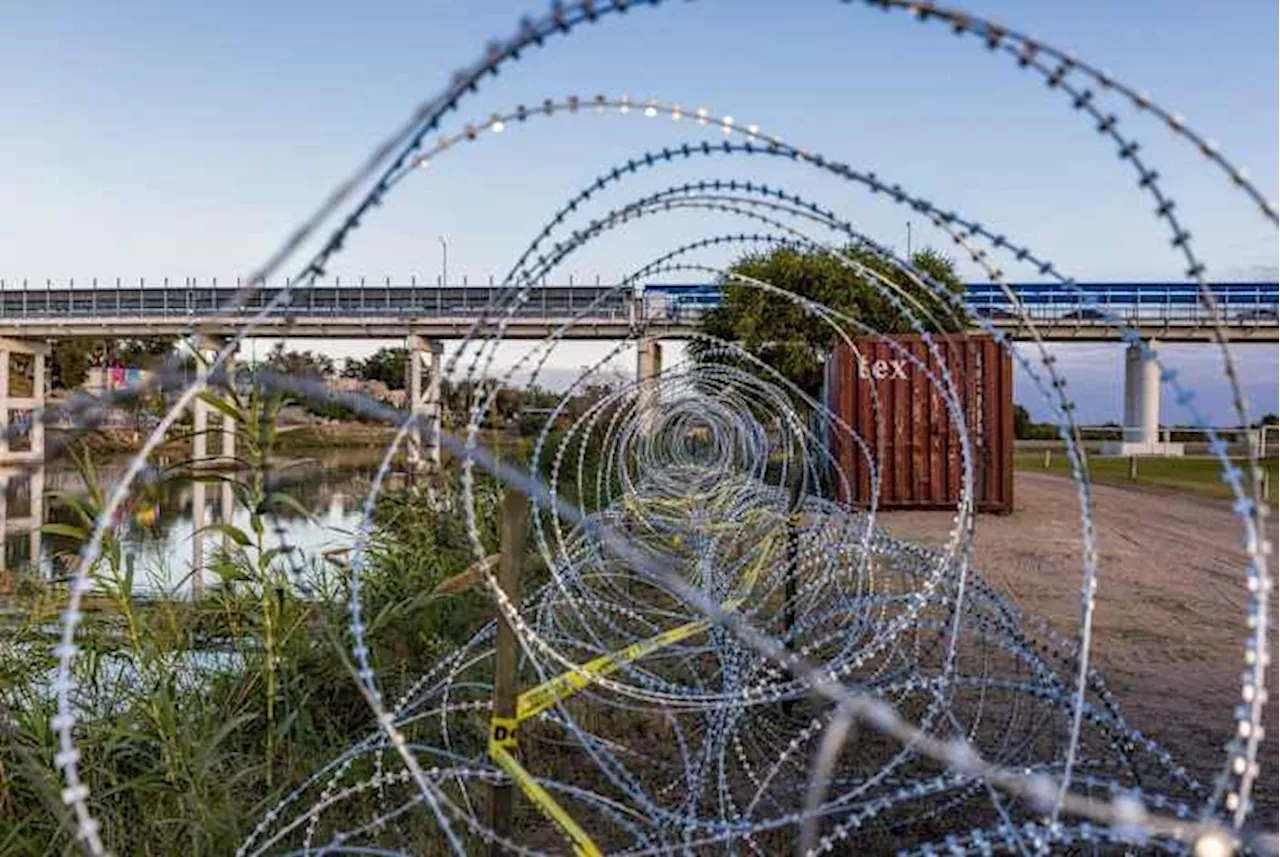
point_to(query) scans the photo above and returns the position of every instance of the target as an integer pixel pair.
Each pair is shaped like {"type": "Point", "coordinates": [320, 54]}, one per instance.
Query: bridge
{"type": "Point", "coordinates": [1165, 311]}
{"type": "Point", "coordinates": [1084, 312]}
{"type": "Point", "coordinates": [428, 314]}
{"type": "Point", "coordinates": [356, 311]}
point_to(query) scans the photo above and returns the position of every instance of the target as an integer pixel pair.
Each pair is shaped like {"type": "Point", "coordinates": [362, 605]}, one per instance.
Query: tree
{"type": "Point", "coordinates": [143, 352]}
{"type": "Point", "coordinates": [507, 402]}
{"type": "Point", "coordinates": [796, 341]}
{"type": "Point", "coordinates": [1268, 420]}
{"type": "Point", "coordinates": [70, 359]}
{"type": "Point", "coordinates": [69, 363]}
{"type": "Point", "coordinates": [386, 365]}
{"type": "Point", "coordinates": [1024, 428]}
{"type": "Point", "coordinates": [582, 402]}
{"type": "Point", "coordinates": [535, 396]}
{"type": "Point", "coordinates": [299, 364]}
{"type": "Point", "coordinates": [1021, 422]}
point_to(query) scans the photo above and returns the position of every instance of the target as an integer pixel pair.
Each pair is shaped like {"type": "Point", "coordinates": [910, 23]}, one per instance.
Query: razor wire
{"type": "Point", "coordinates": [910, 644]}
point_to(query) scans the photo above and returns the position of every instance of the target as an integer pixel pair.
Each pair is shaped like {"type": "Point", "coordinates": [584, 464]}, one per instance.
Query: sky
{"type": "Point", "coordinates": [158, 139]}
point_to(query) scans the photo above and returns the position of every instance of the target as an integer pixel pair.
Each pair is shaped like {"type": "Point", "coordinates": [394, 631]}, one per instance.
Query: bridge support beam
{"type": "Point", "coordinates": [1132, 383]}
{"type": "Point", "coordinates": [25, 519]}
{"type": "Point", "coordinates": [648, 370]}
{"type": "Point", "coordinates": [1141, 433]}
{"type": "Point", "coordinates": [207, 348]}
{"type": "Point", "coordinates": [422, 389]}
{"type": "Point", "coordinates": [21, 396]}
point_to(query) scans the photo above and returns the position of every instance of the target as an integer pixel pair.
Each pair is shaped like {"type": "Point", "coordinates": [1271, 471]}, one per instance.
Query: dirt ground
{"type": "Point", "coordinates": [1169, 627]}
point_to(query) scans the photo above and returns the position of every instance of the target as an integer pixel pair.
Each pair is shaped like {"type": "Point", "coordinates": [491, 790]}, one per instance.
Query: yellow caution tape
{"type": "Point", "coordinates": [503, 733]}
{"type": "Point", "coordinates": [539, 699]}
{"type": "Point", "coordinates": [752, 574]}
{"type": "Point", "coordinates": [583, 846]}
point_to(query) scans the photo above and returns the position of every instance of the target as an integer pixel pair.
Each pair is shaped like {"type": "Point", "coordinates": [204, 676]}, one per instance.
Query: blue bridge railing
{"type": "Point", "coordinates": [1239, 303]}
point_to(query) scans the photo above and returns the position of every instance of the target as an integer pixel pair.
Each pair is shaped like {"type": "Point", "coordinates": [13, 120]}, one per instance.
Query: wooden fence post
{"type": "Point", "coordinates": [515, 527]}
{"type": "Point", "coordinates": [793, 550]}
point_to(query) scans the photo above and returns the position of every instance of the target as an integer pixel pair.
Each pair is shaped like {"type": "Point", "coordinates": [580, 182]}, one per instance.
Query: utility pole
{"type": "Point", "coordinates": [908, 240]}
{"type": "Point", "coordinates": [444, 261]}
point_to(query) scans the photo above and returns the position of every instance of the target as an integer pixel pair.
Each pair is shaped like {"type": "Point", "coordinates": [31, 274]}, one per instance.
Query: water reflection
{"type": "Point", "coordinates": [157, 527]}
{"type": "Point", "coordinates": [21, 515]}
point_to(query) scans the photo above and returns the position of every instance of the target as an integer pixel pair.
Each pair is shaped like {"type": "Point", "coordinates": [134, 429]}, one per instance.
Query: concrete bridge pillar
{"type": "Point", "coordinates": [19, 519]}
{"type": "Point", "coordinates": [1141, 433]}
{"type": "Point", "coordinates": [22, 395]}
{"type": "Point", "coordinates": [228, 424]}
{"type": "Point", "coordinates": [648, 370]}
{"type": "Point", "coordinates": [1141, 395]}
{"type": "Point", "coordinates": [36, 513]}
{"type": "Point", "coordinates": [6, 574]}
{"type": "Point", "coordinates": [422, 389]}
{"type": "Point", "coordinates": [199, 455]}
{"type": "Point", "coordinates": [1148, 408]}
{"type": "Point", "coordinates": [206, 349]}
{"type": "Point", "coordinates": [1132, 383]}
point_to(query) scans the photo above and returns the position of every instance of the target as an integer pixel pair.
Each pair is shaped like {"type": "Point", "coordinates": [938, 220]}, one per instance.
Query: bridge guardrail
{"type": "Point", "coordinates": [1243, 305]}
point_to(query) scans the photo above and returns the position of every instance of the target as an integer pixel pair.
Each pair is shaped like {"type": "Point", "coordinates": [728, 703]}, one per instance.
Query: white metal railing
{"type": "Point", "coordinates": [1266, 449]}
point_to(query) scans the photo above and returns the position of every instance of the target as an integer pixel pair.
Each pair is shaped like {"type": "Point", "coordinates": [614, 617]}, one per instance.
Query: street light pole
{"type": "Point", "coordinates": [444, 262]}
{"type": "Point", "coordinates": [908, 240]}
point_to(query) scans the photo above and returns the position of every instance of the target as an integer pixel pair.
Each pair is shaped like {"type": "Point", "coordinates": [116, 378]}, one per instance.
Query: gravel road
{"type": "Point", "coordinates": [1169, 627]}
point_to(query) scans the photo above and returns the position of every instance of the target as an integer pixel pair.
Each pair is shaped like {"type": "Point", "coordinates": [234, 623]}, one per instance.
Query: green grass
{"type": "Point", "coordinates": [193, 718]}
{"type": "Point", "coordinates": [196, 717]}
{"type": "Point", "coordinates": [1198, 475]}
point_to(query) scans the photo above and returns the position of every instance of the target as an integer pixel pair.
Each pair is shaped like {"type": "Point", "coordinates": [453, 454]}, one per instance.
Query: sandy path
{"type": "Point", "coordinates": [1169, 626]}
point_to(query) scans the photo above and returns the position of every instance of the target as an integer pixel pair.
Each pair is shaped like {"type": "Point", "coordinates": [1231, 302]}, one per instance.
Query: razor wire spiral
{"type": "Point", "coordinates": [830, 684]}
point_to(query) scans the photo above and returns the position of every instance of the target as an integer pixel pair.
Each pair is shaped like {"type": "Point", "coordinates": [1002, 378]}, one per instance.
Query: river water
{"type": "Point", "coordinates": [157, 529]}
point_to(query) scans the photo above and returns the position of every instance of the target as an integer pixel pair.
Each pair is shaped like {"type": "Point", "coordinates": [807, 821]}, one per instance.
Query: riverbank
{"type": "Point", "coordinates": [194, 715]}
{"type": "Point", "coordinates": [309, 437]}
{"type": "Point", "coordinates": [303, 437]}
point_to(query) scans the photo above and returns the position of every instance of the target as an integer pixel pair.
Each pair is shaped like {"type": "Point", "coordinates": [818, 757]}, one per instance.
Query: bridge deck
{"type": "Point", "coordinates": [1162, 310]}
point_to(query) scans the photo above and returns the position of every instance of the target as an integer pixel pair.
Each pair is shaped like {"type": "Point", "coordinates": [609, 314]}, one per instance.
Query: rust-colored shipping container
{"type": "Point", "coordinates": [901, 415]}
